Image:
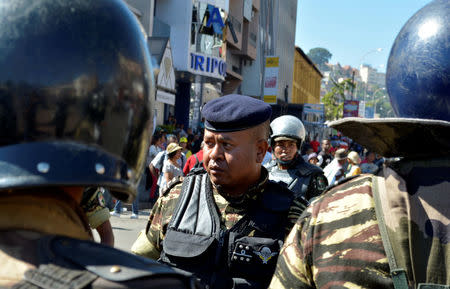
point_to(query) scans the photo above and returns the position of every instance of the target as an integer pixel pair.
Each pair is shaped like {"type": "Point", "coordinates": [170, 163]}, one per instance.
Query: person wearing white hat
{"type": "Point", "coordinates": [171, 168]}
{"type": "Point", "coordinates": [353, 168]}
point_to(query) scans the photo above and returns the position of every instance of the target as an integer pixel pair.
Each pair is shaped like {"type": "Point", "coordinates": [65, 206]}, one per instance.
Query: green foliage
{"type": "Point", "coordinates": [320, 56]}
{"type": "Point", "coordinates": [168, 128]}
{"type": "Point", "coordinates": [334, 99]}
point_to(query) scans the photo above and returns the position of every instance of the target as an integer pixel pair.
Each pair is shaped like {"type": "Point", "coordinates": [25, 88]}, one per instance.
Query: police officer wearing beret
{"type": "Point", "coordinates": [76, 88]}
{"type": "Point", "coordinates": [289, 168]}
{"type": "Point", "coordinates": [389, 230]}
{"type": "Point", "coordinates": [225, 224]}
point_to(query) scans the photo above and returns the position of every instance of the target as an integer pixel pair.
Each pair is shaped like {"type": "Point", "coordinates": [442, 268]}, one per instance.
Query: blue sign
{"type": "Point", "coordinates": [369, 113]}
{"type": "Point", "coordinates": [208, 65]}
{"type": "Point", "coordinates": [215, 19]}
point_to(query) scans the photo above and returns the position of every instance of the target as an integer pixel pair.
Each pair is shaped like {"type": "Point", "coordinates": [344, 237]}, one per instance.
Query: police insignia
{"type": "Point", "coordinates": [265, 254]}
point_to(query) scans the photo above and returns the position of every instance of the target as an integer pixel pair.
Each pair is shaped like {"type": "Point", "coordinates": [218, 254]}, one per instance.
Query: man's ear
{"type": "Point", "coordinates": [261, 149]}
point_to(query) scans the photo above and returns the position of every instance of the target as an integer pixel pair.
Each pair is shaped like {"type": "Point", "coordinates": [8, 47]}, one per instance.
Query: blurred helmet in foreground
{"type": "Point", "coordinates": [75, 94]}
{"type": "Point", "coordinates": [418, 70]}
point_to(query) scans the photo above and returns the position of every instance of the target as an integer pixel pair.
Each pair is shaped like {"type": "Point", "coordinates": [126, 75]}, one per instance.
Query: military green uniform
{"type": "Point", "coordinates": [337, 241]}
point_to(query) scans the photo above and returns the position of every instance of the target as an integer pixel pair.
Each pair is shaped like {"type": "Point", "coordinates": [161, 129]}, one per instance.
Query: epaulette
{"type": "Point", "coordinates": [171, 184]}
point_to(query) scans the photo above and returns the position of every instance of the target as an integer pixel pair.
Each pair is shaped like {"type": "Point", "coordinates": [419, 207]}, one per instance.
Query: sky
{"type": "Point", "coordinates": [353, 30]}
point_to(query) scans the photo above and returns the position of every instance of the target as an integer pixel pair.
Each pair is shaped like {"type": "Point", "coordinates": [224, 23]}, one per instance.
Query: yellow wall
{"type": "Point", "coordinates": [306, 81]}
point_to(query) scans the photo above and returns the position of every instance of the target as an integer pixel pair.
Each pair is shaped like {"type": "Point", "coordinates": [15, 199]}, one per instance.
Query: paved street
{"type": "Point", "coordinates": [126, 230]}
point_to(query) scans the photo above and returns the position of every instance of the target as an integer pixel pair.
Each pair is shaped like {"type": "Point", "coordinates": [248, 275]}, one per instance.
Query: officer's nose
{"type": "Point", "coordinates": [216, 152]}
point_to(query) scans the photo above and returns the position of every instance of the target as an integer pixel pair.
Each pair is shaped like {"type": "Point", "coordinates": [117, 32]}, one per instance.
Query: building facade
{"type": "Point", "coordinates": [242, 43]}
{"type": "Point", "coordinates": [195, 31]}
{"type": "Point", "coordinates": [306, 79]}
{"type": "Point", "coordinates": [218, 47]}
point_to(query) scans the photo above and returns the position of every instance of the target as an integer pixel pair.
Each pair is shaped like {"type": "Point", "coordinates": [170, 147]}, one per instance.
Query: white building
{"type": "Point", "coordinates": [370, 75]}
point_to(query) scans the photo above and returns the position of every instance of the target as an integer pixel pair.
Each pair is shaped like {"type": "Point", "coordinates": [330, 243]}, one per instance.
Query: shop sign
{"type": "Point", "coordinates": [215, 20]}
{"type": "Point", "coordinates": [165, 97]}
{"type": "Point", "coordinates": [271, 79]}
{"type": "Point", "coordinates": [313, 112]}
{"type": "Point", "coordinates": [351, 108]}
{"type": "Point", "coordinates": [166, 75]}
{"type": "Point", "coordinates": [221, 4]}
{"type": "Point", "coordinates": [211, 66]}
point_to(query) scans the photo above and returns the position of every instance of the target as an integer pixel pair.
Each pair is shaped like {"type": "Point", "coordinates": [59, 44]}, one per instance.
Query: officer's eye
{"type": "Point", "coordinates": [227, 145]}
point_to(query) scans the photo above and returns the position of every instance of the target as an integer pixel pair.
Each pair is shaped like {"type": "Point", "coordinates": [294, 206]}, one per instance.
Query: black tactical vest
{"type": "Point", "coordinates": [244, 255]}
{"type": "Point", "coordinates": [297, 178]}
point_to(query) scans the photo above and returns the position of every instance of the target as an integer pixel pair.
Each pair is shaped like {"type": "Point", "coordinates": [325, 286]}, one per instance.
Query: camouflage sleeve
{"type": "Point", "coordinates": [94, 205]}
{"type": "Point", "coordinates": [155, 231]}
{"type": "Point", "coordinates": [298, 206]}
{"type": "Point", "coordinates": [335, 243]}
{"type": "Point", "coordinates": [317, 186]}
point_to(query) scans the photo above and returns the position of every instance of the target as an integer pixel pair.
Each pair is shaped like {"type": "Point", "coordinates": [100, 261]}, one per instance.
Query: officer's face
{"type": "Point", "coordinates": [233, 159]}
{"type": "Point", "coordinates": [285, 150]}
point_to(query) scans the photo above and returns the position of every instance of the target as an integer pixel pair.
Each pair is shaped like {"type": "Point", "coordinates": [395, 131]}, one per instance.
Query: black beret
{"type": "Point", "coordinates": [235, 112]}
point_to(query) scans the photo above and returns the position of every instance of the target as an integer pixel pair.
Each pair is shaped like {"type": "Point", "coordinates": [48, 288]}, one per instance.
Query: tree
{"type": "Point", "coordinates": [334, 99]}
{"type": "Point", "coordinates": [320, 56]}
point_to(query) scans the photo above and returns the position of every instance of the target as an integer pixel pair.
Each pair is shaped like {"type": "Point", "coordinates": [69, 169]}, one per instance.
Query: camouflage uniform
{"type": "Point", "coordinates": [337, 240]}
{"type": "Point", "coordinates": [230, 214]}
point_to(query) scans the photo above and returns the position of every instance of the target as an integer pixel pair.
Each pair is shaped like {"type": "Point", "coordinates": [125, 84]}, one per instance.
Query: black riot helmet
{"type": "Point", "coordinates": [418, 70]}
{"type": "Point", "coordinates": [76, 88]}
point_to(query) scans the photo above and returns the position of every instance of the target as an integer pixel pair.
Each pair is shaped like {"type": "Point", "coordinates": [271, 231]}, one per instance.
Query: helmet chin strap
{"type": "Point", "coordinates": [284, 163]}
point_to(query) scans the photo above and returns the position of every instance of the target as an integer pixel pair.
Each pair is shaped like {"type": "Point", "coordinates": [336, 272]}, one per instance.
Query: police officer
{"type": "Point", "coordinates": [75, 111]}
{"type": "Point", "coordinates": [288, 167]}
{"type": "Point", "coordinates": [227, 224]}
{"type": "Point", "coordinates": [389, 230]}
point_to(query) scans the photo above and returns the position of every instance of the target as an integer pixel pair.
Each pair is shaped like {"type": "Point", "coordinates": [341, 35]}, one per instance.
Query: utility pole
{"type": "Point", "coordinates": [353, 81]}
